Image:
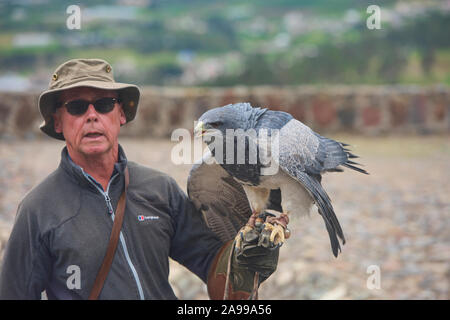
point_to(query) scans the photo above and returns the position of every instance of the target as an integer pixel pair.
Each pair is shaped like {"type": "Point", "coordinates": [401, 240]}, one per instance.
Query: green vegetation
{"type": "Point", "coordinates": [218, 43]}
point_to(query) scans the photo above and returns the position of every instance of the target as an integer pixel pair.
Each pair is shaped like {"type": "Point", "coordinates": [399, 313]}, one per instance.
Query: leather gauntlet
{"type": "Point", "coordinates": [241, 265]}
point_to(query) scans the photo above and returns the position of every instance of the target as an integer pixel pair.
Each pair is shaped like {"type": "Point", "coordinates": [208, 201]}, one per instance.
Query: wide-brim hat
{"type": "Point", "coordinates": [93, 73]}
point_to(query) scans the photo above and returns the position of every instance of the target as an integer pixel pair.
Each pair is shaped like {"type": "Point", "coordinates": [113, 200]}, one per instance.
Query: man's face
{"type": "Point", "coordinates": [91, 133]}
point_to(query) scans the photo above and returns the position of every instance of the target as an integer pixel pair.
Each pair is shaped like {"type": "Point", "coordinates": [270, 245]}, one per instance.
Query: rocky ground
{"type": "Point", "coordinates": [396, 220]}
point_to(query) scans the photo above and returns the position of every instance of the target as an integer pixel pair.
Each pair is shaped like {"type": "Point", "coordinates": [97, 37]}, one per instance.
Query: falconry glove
{"type": "Point", "coordinates": [254, 256]}
{"type": "Point", "coordinates": [238, 271]}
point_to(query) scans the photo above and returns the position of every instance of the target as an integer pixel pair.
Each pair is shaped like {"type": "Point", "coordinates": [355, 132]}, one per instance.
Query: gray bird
{"type": "Point", "coordinates": [259, 160]}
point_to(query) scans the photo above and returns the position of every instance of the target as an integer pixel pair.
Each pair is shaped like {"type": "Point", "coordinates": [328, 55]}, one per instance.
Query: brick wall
{"type": "Point", "coordinates": [368, 110]}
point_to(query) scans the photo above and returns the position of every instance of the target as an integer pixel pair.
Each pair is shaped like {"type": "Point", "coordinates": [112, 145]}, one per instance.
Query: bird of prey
{"type": "Point", "coordinates": [230, 186]}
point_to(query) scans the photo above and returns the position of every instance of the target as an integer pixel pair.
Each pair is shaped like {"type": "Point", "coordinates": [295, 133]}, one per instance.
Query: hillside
{"type": "Point", "coordinates": [217, 43]}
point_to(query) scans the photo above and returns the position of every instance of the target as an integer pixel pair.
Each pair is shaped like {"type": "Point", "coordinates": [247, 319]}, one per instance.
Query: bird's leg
{"type": "Point", "coordinates": [254, 220]}
{"type": "Point", "coordinates": [277, 226]}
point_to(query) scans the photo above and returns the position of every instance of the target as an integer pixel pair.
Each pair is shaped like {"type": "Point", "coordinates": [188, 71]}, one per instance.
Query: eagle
{"type": "Point", "coordinates": [261, 166]}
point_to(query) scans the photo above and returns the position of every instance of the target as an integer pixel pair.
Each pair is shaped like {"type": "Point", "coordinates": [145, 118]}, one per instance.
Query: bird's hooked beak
{"type": "Point", "coordinates": [199, 129]}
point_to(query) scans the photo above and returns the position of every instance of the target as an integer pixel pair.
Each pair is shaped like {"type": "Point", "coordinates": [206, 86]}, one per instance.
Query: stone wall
{"type": "Point", "coordinates": [368, 110]}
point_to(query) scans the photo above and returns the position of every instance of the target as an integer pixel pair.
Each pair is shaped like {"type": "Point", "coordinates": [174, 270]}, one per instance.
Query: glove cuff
{"type": "Point", "coordinates": [237, 290]}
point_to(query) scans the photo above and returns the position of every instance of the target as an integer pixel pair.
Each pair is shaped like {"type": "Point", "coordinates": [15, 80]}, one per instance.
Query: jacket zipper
{"type": "Point", "coordinates": [121, 237]}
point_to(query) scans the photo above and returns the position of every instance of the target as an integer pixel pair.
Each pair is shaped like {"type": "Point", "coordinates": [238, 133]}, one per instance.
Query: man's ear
{"type": "Point", "coordinates": [57, 122]}
{"type": "Point", "coordinates": [123, 118]}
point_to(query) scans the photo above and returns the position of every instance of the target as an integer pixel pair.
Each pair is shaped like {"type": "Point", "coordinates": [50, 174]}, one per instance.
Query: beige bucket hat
{"type": "Point", "coordinates": [94, 73]}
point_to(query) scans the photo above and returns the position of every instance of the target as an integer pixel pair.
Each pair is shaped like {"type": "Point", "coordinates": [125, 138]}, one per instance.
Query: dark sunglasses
{"type": "Point", "coordinates": [79, 107]}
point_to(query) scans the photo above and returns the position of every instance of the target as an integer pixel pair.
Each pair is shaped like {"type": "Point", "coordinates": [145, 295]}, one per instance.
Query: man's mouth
{"type": "Point", "coordinates": [93, 135]}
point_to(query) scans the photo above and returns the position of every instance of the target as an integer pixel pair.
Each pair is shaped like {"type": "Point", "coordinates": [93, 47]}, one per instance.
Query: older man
{"type": "Point", "coordinates": [63, 226]}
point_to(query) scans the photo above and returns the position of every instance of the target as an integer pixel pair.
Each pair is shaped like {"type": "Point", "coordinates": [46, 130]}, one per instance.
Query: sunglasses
{"type": "Point", "coordinates": [79, 107]}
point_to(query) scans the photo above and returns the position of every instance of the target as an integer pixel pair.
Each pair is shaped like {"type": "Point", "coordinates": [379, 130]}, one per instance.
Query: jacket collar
{"type": "Point", "coordinates": [77, 173]}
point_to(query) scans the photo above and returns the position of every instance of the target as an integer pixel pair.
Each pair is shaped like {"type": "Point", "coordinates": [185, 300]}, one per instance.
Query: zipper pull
{"type": "Point", "coordinates": [108, 203]}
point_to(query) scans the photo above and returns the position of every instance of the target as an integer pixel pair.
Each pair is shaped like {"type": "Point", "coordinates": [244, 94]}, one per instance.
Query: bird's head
{"type": "Point", "coordinates": [232, 116]}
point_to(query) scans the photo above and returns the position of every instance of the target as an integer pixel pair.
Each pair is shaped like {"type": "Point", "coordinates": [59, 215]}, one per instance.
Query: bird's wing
{"type": "Point", "coordinates": [219, 197]}
{"type": "Point", "coordinates": [304, 155]}
{"type": "Point", "coordinates": [313, 153]}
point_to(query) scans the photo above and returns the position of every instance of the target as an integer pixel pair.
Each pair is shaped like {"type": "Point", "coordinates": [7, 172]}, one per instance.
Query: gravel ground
{"type": "Point", "coordinates": [396, 220]}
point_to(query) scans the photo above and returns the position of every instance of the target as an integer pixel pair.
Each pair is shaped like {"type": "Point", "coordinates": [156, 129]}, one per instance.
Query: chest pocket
{"type": "Point", "coordinates": [150, 217]}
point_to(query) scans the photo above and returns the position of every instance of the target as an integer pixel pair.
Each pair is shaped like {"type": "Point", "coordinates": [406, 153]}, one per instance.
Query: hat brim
{"type": "Point", "coordinates": [129, 95]}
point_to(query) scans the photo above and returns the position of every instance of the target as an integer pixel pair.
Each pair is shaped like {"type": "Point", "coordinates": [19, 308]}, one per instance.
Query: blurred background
{"type": "Point", "coordinates": [383, 90]}
{"type": "Point", "coordinates": [217, 43]}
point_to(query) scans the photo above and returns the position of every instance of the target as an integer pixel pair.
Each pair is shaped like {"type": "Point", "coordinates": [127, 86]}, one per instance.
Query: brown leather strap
{"type": "Point", "coordinates": [254, 295]}
{"type": "Point", "coordinates": [226, 292]}
{"type": "Point", "coordinates": [218, 274]}
{"type": "Point", "coordinates": [112, 245]}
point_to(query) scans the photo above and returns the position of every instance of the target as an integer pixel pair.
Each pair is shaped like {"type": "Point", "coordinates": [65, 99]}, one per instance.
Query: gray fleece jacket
{"type": "Point", "coordinates": [63, 226]}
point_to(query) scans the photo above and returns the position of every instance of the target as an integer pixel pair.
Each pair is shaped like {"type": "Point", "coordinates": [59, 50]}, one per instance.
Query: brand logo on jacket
{"type": "Point", "coordinates": [144, 218]}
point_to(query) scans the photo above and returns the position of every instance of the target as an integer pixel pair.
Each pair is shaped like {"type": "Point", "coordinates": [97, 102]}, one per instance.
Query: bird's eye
{"type": "Point", "coordinates": [215, 124]}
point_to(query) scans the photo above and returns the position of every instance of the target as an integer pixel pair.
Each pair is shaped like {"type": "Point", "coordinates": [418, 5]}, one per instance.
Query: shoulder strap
{"type": "Point", "coordinates": [112, 245]}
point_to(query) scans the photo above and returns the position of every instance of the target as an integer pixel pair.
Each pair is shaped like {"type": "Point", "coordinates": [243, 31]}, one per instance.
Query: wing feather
{"type": "Point", "coordinates": [323, 202]}
{"type": "Point", "coordinates": [219, 197]}
{"type": "Point", "coordinates": [304, 155]}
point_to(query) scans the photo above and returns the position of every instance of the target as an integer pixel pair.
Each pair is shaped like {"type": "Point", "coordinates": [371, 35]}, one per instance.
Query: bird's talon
{"type": "Point", "coordinates": [277, 246]}
{"type": "Point", "coordinates": [240, 237]}
{"type": "Point", "coordinates": [277, 234]}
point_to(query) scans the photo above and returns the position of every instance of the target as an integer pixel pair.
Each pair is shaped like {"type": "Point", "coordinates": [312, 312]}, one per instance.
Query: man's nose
{"type": "Point", "coordinates": [91, 113]}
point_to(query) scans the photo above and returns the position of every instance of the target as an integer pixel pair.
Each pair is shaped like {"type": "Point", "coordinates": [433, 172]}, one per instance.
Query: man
{"type": "Point", "coordinates": [63, 225]}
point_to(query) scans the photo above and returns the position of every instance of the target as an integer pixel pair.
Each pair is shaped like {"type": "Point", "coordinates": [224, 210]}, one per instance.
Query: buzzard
{"type": "Point", "coordinates": [258, 160]}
